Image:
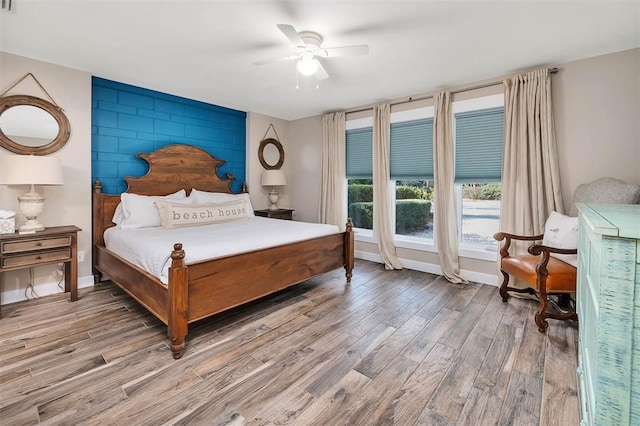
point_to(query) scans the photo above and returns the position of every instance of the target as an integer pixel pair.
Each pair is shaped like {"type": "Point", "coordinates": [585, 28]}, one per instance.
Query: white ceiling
{"type": "Point", "coordinates": [204, 49]}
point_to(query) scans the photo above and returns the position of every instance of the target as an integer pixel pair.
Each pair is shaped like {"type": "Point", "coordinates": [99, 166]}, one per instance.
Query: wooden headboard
{"type": "Point", "coordinates": [171, 169]}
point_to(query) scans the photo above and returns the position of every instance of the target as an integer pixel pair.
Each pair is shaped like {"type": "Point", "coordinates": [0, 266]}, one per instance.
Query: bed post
{"type": "Point", "coordinates": [178, 302]}
{"type": "Point", "coordinates": [98, 229]}
{"type": "Point", "coordinates": [349, 250]}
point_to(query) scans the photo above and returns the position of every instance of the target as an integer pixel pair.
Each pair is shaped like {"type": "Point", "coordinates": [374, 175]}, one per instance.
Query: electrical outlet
{"type": "Point", "coordinates": [80, 256]}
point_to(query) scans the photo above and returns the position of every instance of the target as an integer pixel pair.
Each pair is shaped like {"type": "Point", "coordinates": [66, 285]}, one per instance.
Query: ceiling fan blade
{"type": "Point", "coordinates": [321, 73]}
{"type": "Point", "coordinates": [358, 50]}
{"type": "Point", "coordinates": [280, 59]}
{"type": "Point", "coordinates": [291, 34]}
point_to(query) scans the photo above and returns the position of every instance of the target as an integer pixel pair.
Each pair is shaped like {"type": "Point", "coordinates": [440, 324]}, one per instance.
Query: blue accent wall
{"type": "Point", "coordinates": [127, 120]}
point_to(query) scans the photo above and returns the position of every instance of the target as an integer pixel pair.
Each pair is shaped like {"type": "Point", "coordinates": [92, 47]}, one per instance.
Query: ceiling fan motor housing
{"type": "Point", "coordinates": [311, 39]}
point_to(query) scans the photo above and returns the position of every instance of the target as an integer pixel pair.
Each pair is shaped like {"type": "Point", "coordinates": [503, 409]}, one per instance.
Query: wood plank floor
{"type": "Point", "coordinates": [393, 347]}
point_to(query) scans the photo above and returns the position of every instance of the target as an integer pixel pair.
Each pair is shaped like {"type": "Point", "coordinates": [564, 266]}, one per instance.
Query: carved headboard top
{"type": "Point", "coordinates": [176, 167]}
{"type": "Point", "coordinates": [171, 169]}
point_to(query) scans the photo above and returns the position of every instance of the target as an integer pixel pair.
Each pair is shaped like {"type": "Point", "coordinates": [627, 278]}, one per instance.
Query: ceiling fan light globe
{"type": "Point", "coordinates": [308, 66]}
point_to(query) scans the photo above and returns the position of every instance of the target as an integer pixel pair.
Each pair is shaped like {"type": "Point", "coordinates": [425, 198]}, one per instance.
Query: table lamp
{"type": "Point", "coordinates": [273, 178]}
{"type": "Point", "coordinates": [31, 170]}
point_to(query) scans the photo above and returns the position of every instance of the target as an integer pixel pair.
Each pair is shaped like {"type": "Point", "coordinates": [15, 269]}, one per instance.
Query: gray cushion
{"type": "Point", "coordinates": [606, 190]}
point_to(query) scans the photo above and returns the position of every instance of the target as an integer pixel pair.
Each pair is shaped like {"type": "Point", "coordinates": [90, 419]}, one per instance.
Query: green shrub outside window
{"type": "Point", "coordinates": [413, 206]}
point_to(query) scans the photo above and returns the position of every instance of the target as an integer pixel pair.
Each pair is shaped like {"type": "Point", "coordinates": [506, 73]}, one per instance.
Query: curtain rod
{"type": "Point", "coordinates": [421, 98]}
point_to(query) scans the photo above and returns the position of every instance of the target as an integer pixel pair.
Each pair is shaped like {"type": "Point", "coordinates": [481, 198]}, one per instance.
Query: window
{"type": "Point", "coordinates": [478, 162]}
{"type": "Point", "coordinates": [478, 167]}
{"type": "Point", "coordinates": [411, 166]}
{"type": "Point", "coordinates": [360, 176]}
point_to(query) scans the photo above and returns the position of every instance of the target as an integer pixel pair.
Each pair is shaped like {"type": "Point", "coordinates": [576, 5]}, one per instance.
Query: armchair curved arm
{"type": "Point", "coordinates": [545, 251]}
{"type": "Point", "coordinates": [537, 249]}
{"type": "Point", "coordinates": [502, 235]}
{"type": "Point", "coordinates": [504, 250]}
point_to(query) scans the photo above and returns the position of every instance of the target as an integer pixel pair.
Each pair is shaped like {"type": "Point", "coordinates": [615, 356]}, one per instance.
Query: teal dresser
{"type": "Point", "coordinates": [608, 305]}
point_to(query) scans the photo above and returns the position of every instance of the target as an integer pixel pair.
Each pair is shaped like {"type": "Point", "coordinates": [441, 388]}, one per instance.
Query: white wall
{"type": "Point", "coordinates": [597, 111]}
{"type": "Point", "coordinates": [306, 154]}
{"type": "Point", "coordinates": [257, 126]}
{"type": "Point", "coordinates": [69, 204]}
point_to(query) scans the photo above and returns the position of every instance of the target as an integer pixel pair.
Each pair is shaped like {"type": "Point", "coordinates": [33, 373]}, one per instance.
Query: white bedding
{"type": "Point", "coordinates": [150, 248]}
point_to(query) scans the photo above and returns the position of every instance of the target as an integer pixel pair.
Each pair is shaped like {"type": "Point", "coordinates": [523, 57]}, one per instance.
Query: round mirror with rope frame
{"type": "Point", "coordinates": [269, 158]}
{"type": "Point", "coordinates": [56, 143]}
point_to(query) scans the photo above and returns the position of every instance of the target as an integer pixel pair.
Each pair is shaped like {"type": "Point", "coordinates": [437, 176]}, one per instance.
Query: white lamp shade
{"type": "Point", "coordinates": [31, 170]}
{"type": "Point", "coordinates": [308, 66]}
{"type": "Point", "coordinates": [273, 178]}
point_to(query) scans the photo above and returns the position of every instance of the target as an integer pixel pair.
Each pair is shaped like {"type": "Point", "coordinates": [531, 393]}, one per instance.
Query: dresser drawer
{"type": "Point", "coordinates": [33, 259]}
{"type": "Point", "coordinates": [32, 245]}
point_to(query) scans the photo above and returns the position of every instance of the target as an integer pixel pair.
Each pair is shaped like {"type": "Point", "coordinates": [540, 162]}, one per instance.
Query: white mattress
{"type": "Point", "coordinates": [150, 248]}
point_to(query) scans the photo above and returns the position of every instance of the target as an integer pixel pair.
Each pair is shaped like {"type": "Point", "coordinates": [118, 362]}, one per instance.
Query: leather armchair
{"type": "Point", "coordinates": [544, 275]}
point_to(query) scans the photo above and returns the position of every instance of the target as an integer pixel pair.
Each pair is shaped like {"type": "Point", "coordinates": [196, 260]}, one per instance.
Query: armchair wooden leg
{"type": "Point", "coordinates": [541, 315]}
{"type": "Point", "coordinates": [503, 287]}
{"type": "Point", "coordinates": [541, 321]}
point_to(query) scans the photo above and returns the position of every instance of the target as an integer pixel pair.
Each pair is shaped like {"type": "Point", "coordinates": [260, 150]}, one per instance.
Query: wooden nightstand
{"type": "Point", "coordinates": [57, 244]}
{"type": "Point", "coordinates": [286, 214]}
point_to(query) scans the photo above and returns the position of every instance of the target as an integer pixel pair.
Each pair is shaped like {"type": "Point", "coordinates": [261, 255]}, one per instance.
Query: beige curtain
{"type": "Point", "coordinates": [333, 200]}
{"type": "Point", "coordinates": [530, 176]}
{"type": "Point", "coordinates": [382, 214]}
{"type": "Point", "coordinates": [446, 231]}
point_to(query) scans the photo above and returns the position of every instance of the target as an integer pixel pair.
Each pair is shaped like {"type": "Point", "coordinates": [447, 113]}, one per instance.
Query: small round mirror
{"type": "Point", "coordinates": [30, 125]}
{"type": "Point", "coordinates": [271, 154]}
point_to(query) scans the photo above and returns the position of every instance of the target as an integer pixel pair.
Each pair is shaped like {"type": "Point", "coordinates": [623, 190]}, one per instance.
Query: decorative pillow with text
{"type": "Point", "coordinates": [202, 197]}
{"type": "Point", "coordinates": [173, 215]}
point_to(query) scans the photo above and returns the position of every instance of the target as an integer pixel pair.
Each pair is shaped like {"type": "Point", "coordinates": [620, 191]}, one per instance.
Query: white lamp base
{"type": "Point", "coordinates": [273, 197]}
{"type": "Point", "coordinates": [31, 204]}
{"type": "Point", "coordinates": [31, 226]}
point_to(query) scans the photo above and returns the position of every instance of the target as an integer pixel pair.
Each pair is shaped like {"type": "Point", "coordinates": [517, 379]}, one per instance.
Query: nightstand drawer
{"type": "Point", "coordinates": [286, 214]}
{"type": "Point", "coordinates": [32, 245]}
{"type": "Point", "coordinates": [36, 258]}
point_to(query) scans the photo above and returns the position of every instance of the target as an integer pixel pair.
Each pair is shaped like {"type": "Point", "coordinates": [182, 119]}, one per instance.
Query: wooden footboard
{"type": "Point", "coordinates": [206, 288]}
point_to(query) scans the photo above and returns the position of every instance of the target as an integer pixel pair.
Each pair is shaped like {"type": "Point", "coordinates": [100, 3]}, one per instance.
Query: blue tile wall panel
{"type": "Point", "coordinates": [108, 106]}
{"type": "Point", "coordinates": [127, 120]}
{"type": "Point", "coordinates": [103, 93]}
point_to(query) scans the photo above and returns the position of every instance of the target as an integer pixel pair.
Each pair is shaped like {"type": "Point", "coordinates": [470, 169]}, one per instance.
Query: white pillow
{"type": "Point", "coordinates": [202, 197]}
{"type": "Point", "coordinates": [175, 215]}
{"type": "Point", "coordinates": [118, 215]}
{"type": "Point", "coordinates": [140, 211]}
{"type": "Point", "coordinates": [561, 231]}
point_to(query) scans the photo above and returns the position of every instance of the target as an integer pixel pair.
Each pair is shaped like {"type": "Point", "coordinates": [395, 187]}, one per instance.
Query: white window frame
{"type": "Point", "coordinates": [406, 241]}
{"type": "Point", "coordinates": [466, 249]}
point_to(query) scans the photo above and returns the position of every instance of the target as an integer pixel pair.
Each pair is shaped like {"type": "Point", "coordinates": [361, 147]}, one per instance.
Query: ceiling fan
{"type": "Point", "coordinates": [309, 51]}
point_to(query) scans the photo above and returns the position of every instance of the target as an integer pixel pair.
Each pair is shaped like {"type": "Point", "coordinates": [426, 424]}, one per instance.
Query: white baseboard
{"type": "Point", "coordinates": [44, 289]}
{"type": "Point", "coordinates": [431, 268]}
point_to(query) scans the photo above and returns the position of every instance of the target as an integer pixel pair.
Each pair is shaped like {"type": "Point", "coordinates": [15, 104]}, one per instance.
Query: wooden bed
{"type": "Point", "coordinates": [205, 288]}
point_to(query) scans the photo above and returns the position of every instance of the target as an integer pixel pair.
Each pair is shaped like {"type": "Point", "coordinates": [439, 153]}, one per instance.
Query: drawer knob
{"type": "Point", "coordinates": [38, 257]}
{"type": "Point", "coordinates": [39, 243]}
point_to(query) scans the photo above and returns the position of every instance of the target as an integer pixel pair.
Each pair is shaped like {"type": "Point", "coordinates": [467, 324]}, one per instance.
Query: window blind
{"type": "Point", "coordinates": [359, 153]}
{"type": "Point", "coordinates": [478, 136]}
{"type": "Point", "coordinates": [412, 149]}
